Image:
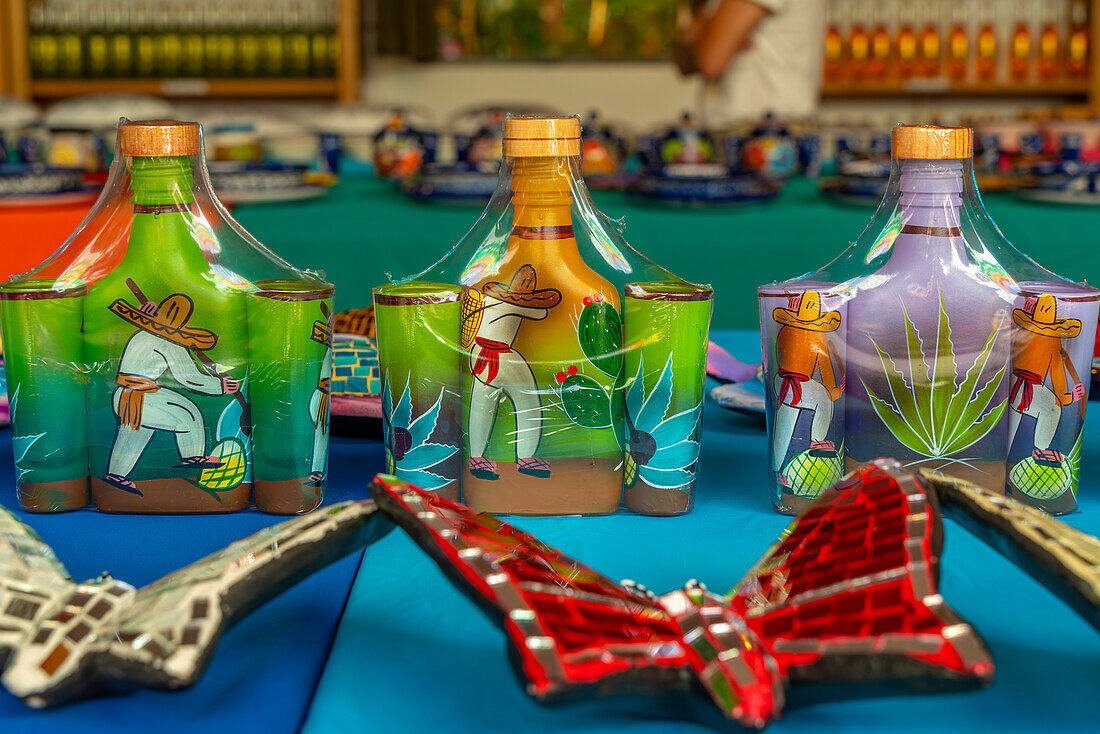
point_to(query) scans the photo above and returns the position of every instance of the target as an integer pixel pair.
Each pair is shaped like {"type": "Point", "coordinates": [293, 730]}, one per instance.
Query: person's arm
{"type": "Point", "coordinates": [713, 40]}
{"type": "Point", "coordinates": [183, 369]}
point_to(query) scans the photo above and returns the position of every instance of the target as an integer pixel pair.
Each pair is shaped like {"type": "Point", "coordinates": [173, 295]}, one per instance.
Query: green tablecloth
{"type": "Point", "coordinates": [365, 230]}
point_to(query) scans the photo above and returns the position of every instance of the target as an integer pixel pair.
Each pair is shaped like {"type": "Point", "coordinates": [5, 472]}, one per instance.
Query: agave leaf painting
{"type": "Point", "coordinates": [926, 408]}
{"type": "Point", "coordinates": [660, 448]}
{"type": "Point", "coordinates": [409, 453]}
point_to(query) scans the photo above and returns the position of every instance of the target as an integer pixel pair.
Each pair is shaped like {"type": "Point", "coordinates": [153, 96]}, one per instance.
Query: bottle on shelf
{"type": "Point", "coordinates": [70, 48]}
{"type": "Point", "coordinates": [1019, 53]}
{"type": "Point", "coordinates": [192, 61]}
{"type": "Point", "coordinates": [272, 46]}
{"type": "Point", "coordinates": [167, 42]}
{"type": "Point", "coordinates": [834, 43]}
{"type": "Point", "coordinates": [42, 45]}
{"type": "Point", "coordinates": [906, 45]}
{"type": "Point", "coordinates": [1077, 44]}
{"type": "Point", "coordinates": [930, 47]}
{"type": "Point", "coordinates": [96, 57]}
{"type": "Point", "coordinates": [882, 44]}
{"type": "Point", "coordinates": [247, 32]}
{"type": "Point", "coordinates": [296, 40]}
{"type": "Point", "coordinates": [958, 44]}
{"type": "Point", "coordinates": [1048, 55]}
{"type": "Point", "coordinates": [859, 43]}
{"type": "Point", "coordinates": [120, 48]}
{"type": "Point", "coordinates": [985, 56]}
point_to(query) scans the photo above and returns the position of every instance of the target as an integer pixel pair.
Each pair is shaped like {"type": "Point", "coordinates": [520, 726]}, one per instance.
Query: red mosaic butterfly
{"type": "Point", "coordinates": [848, 593]}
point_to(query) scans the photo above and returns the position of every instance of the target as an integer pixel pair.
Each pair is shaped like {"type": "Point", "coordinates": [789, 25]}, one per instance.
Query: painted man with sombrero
{"type": "Point", "coordinates": [1037, 353]}
{"type": "Point", "coordinates": [162, 344]}
{"type": "Point", "coordinates": [806, 379]}
{"type": "Point", "coordinates": [321, 399]}
{"type": "Point", "coordinates": [500, 371]}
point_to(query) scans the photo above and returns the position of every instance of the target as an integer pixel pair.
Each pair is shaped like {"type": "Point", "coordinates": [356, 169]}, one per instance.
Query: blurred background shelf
{"type": "Point", "coordinates": [189, 88]}
{"type": "Point", "coordinates": [939, 86]}
{"type": "Point", "coordinates": [51, 49]}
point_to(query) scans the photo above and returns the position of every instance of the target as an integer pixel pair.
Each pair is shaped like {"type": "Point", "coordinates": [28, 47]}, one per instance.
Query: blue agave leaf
{"type": "Point", "coordinates": [422, 479]}
{"type": "Point", "coordinates": [676, 456]}
{"type": "Point", "coordinates": [635, 395]}
{"type": "Point", "coordinates": [402, 414]}
{"type": "Point", "coordinates": [387, 399]}
{"type": "Point", "coordinates": [421, 428]}
{"type": "Point", "coordinates": [424, 455]}
{"type": "Point", "coordinates": [656, 405]}
{"type": "Point", "coordinates": [673, 479]}
{"type": "Point", "coordinates": [677, 428]}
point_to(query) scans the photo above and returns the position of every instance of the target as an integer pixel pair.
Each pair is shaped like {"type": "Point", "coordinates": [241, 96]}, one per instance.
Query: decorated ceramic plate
{"type": "Point", "coordinates": [255, 183]}
{"type": "Point", "coordinates": [859, 193]}
{"type": "Point", "coordinates": [746, 397]}
{"type": "Point", "coordinates": [451, 184]}
{"type": "Point", "coordinates": [1064, 182]}
{"type": "Point", "coordinates": [33, 180]}
{"type": "Point", "coordinates": [703, 184]}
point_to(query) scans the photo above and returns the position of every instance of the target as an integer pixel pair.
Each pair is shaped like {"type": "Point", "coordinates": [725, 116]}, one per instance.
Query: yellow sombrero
{"type": "Point", "coordinates": [169, 322]}
{"type": "Point", "coordinates": [1045, 319]}
{"type": "Point", "coordinates": [809, 315]}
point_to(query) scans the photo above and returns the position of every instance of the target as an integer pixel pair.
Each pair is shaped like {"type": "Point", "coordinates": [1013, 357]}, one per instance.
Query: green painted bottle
{"type": "Point", "coordinates": [166, 343]}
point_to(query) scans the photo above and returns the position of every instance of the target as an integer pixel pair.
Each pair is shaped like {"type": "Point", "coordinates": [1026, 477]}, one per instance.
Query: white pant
{"type": "Point", "coordinates": [1044, 409]}
{"type": "Point", "coordinates": [163, 410]}
{"type": "Point", "coordinates": [515, 381]}
{"type": "Point", "coordinates": [320, 435]}
{"type": "Point", "coordinates": [814, 397]}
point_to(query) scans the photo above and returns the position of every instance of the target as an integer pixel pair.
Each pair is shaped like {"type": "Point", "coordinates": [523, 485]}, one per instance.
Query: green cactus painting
{"type": "Point", "coordinates": [600, 333]}
{"type": "Point", "coordinates": [583, 399]}
{"type": "Point", "coordinates": [926, 408]}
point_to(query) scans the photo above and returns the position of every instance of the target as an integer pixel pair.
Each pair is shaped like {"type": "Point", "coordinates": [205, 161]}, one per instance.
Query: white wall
{"type": "Point", "coordinates": [638, 94]}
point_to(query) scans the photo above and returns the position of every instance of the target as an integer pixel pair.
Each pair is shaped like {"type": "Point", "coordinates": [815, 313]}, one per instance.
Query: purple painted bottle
{"type": "Point", "coordinates": [928, 332]}
{"type": "Point", "coordinates": [960, 354]}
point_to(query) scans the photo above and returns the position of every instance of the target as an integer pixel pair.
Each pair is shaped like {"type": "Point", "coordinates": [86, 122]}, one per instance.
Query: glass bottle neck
{"type": "Point", "coordinates": [542, 193]}
{"type": "Point", "coordinates": [161, 181]}
{"type": "Point", "coordinates": [162, 232]}
{"type": "Point", "coordinates": [931, 192]}
{"type": "Point", "coordinates": [930, 205]}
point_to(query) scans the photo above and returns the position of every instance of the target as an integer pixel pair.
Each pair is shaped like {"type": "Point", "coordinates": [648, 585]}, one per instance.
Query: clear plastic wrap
{"type": "Point", "coordinates": [543, 366]}
{"type": "Point", "coordinates": [930, 339]}
{"type": "Point", "coordinates": [163, 360]}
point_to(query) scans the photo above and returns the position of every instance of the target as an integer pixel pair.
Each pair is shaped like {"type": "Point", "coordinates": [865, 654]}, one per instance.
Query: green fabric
{"type": "Point", "coordinates": [365, 229]}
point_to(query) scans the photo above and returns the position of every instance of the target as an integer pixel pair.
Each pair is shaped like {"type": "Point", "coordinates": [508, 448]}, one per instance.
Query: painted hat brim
{"type": "Point", "coordinates": [189, 337]}
{"type": "Point", "coordinates": [828, 321]}
{"type": "Point", "coordinates": [1065, 328]}
{"type": "Point", "coordinates": [543, 298]}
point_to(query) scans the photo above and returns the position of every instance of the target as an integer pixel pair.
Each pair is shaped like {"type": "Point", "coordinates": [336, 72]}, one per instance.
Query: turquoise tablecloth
{"type": "Point", "coordinates": [413, 654]}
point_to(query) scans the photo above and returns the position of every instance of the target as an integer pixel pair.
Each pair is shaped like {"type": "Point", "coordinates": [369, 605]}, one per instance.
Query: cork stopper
{"type": "Point", "coordinates": [932, 142]}
{"type": "Point", "coordinates": [156, 138]}
{"type": "Point", "coordinates": [531, 137]}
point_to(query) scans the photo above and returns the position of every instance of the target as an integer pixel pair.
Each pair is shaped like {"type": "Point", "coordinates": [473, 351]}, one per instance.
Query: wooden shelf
{"type": "Point", "coordinates": [944, 87]}
{"type": "Point", "coordinates": [304, 87]}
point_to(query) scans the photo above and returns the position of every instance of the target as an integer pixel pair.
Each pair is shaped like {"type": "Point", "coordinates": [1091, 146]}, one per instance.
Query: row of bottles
{"type": "Point", "coordinates": [979, 41]}
{"type": "Point", "coordinates": [182, 38]}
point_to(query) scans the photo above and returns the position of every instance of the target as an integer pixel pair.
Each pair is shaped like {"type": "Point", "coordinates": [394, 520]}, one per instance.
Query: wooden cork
{"type": "Point", "coordinates": [531, 137]}
{"type": "Point", "coordinates": [932, 142]}
{"type": "Point", "coordinates": [159, 138]}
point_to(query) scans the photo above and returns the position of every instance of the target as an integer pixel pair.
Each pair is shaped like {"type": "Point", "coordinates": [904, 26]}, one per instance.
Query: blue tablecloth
{"type": "Point", "coordinates": [412, 653]}
{"type": "Point", "coordinates": [264, 671]}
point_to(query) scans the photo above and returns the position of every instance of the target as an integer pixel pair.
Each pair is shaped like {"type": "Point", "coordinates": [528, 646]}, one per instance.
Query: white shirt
{"type": "Point", "coordinates": [778, 71]}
